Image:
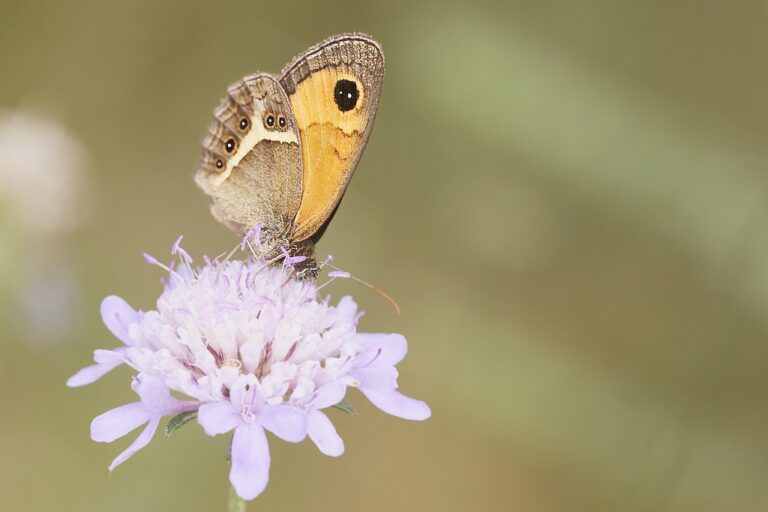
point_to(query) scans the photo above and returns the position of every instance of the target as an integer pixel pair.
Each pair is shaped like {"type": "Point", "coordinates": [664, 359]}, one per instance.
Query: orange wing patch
{"type": "Point", "coordinates": [330, 142]}
{"type": "Point", "coordinates": [334, 90]}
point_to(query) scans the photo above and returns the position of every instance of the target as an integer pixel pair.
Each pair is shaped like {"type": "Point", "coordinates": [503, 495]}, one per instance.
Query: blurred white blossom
{"type": "Point", "coordinates": [41, 173]}
{"type": "Point", "coordinates": [42, 178]}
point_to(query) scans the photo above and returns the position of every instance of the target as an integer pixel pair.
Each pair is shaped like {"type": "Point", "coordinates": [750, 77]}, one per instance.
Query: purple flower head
{"type": "Point", "coordinates": [253, 349]}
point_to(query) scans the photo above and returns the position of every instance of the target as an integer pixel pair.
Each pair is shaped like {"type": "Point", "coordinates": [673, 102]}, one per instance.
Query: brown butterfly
{"type": "Point", "coordinates": [281, 149]}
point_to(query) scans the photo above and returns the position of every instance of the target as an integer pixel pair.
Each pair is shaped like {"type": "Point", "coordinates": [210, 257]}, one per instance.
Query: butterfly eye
{"type": "Point", "coordinates": [219, 164]}
{"type": "Point", "coordinates": [281, 121]}
{"type": "Point", "coordinates": [244, 123]}
{"type": "Point", "coordinates": [230, 145]}
{"type": "Point", "coordinates": [345, 94]}
{"type": "Point", "coordinates": [270, 120]}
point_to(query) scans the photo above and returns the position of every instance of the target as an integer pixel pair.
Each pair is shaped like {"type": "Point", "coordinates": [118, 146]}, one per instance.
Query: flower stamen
{"type": "Point", "coordinates": [247, 414]}
{"type": "Point", "coordinates": [232, 363]}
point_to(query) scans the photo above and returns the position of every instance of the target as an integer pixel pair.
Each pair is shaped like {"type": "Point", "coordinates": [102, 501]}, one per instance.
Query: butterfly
{"type": "Point", "coordinates": [281, 149]}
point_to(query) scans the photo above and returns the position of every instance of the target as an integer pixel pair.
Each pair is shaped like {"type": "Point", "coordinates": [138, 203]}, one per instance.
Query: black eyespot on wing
{"type": "Point", "coordinates": [244, 123]}
{"type": "Point", "coordinates": [269, 120]}
{"type": "Point", "coordinates": [345, 94]}
{"type": "Point", "coordinates": [230, 145]}
{"type": "Point", "coordinates": [219, 164]}
{"type": "Point", "coordinates": [281, 121]}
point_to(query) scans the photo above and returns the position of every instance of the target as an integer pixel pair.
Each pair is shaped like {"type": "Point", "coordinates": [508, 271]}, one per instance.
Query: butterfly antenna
{"type": "Point", "coordinates": [376, 289]}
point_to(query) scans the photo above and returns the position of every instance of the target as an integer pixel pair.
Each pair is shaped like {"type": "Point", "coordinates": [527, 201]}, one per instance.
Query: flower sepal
{"type": "Point", "coordinates": [179, 421]}
{"type": "Point", "coordinates": [346, 407]}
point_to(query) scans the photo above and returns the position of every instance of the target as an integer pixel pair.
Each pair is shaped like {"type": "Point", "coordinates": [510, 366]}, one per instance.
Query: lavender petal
{"type": "Point", "coordinates": [395, 403]}
{"type": "Point", "coordinates": [377, 377]}
{"type": "Point", "coordinates": [218, 418]}
{"type": "Point", "coordinates": [90, 374]}
{"type": "Point", "coordinates": [117, 422]}
{"type": "Point", "coordinates": [381, 349]}
{"type": "Point", "coordinates": [286, 422]}
{"type": "Point", "coordinates": [117, 315]}
{"type": "Point", "coordinates": [250, 461]}
{"type": "Point", "coordinates": [323, 434]}
{"type": "Point", "coordinates": [140, 442]}
{"type": "Point", "coordinates": [329, 395]}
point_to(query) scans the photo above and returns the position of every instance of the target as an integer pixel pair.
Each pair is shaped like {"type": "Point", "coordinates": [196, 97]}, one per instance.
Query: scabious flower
{"type": "Point", "coordinates": [251, 348]}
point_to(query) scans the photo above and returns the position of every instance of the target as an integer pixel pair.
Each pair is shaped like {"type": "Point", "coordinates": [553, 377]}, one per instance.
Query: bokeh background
{"type": "Point", "coordinates": [568, 200]}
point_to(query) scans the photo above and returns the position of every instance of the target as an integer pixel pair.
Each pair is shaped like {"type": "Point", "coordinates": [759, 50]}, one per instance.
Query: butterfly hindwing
{"type": "Point", "coordinates": [251, 162]}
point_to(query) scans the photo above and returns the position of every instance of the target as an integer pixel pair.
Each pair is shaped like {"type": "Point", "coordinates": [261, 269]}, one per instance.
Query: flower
{"type": "Point", "coordinates": [252, 348]}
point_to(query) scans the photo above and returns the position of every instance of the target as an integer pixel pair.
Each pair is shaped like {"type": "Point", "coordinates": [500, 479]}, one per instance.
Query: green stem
{"type": "Point", "coordinates": [236, 503]}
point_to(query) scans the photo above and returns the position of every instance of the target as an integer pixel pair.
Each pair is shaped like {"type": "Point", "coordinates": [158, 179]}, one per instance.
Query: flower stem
{"type": "Point", "coordinates": [236, 503]}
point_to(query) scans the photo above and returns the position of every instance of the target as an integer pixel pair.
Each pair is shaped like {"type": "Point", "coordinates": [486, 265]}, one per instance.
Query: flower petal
{"type": "Point", "coordinates": [218, 418]}
{"type": "Point", "coordinates": [381, 349]}
{"type": "Point", "coordinates": [395, 403]}
{"type": "Point", "coordinates": [377, 377]}
{"type": "Point", "coordinates": [155, 395]}
{"type": "Point", "coordinates": [117, 315]}
{"type": "Point", "coordinates": [250, 461]}
{"type": "Point", "coordinates": [329, 395]}
{"type": "Point", "coordinates": [106, 361]}
{"type": "Point", "coordinates": [250, 352]}
{"type": "Point", "coordinates": [286, 422]}
{"type": "Point", "coordinates": [322, 433]}
{"type": "Point", "coordinates": [347, 309]}
{"type": "Point", "coordinates": [116, 423]}
{"type": "Point", "coordinates": [109, 356]}
{"type": "Point", "coordinates": [246, 391]}
{"type": "Point", "coordinates": [143, 440]}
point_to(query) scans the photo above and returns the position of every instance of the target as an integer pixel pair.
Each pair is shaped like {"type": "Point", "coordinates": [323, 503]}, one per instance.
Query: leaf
{"type": "Point", "coordinates": [179, 421]}
{"type": "Point", "coordinates": [346, 407]}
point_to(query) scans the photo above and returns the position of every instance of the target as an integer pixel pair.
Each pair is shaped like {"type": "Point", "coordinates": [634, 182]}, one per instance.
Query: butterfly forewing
{"type": "Point", "coordinates": [334, 90]}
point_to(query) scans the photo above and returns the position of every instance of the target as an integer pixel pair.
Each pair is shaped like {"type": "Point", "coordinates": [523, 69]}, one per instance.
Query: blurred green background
{"type": "Point", "coordinates": [567, 199]}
